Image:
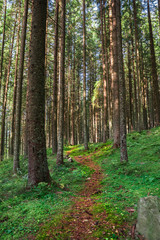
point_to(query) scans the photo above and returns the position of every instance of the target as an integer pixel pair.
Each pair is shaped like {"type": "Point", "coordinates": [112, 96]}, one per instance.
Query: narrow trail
{"type": "Point", "coordinates": [83, 222]}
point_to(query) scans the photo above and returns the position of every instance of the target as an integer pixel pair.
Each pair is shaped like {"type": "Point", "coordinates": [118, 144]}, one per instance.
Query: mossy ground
{"type": "Point", "coordinates": [24, 211]}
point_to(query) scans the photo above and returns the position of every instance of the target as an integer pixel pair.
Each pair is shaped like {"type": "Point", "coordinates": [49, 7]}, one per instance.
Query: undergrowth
{"type": "Point", "coordinates": [22, 211]}
{"type": "Point", "coordinates": [125, 183]}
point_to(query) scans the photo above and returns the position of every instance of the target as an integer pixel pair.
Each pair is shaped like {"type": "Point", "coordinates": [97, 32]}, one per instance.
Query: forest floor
{"type": "Point", "coordinates": [95, 196]}
{"type": "Point", "coordinates": [82, 222]}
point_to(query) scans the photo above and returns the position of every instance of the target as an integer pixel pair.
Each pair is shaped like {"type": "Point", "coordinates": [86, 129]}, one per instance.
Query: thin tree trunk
{"type": "Point", "coordinates": [123, 141]}
{"type": "Point", "coordinates": [73, 100]}
{"type": "Point", "coordinates": [156, 98]}
{"type": "Point", "coordinates": [16, 164]}
{"type": "Point", "coordinates": [15, 85]}
{"type": "Point", "coordinates": [61, 88]}
{"type": "Point", "coordinates": [115, 84]}
{"type": "Point", "coordinates": [3, 42]}
{"type": "Point", "coordinates": [68, 95]}
{"type": "Point", "coordinates": [84, 80]}
{"type": "Point", "coordinates": [38, 167]}
{"type": "Point", "coordinates": [105, 117]}
{"type": "Point", "coordinates": [5, 94]}
{"type": "Point", "coordinates": [54, 110]}
{"type": "Point", "coordinates": [109, 126]}
{"type": "Point", "coordinates": [139, 124]}
{"type": "Point", "coordinates": [130, 90]}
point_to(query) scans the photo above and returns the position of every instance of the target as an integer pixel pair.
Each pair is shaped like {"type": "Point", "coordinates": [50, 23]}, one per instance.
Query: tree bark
{"type": "Point", "coordinates": [130, 90]}
{"type": "Point", "coordinates": [156, 98]}
{"type": "Point", "coordinates": [123, 141]}
{"type": "Point", "coordinates": [61, 89]}
{"type": "Point", "coordinates": [109, 126]}
{"type": "Point", "coordinates": [139, 123]}
{"type": "Point", "coordinates": [16, 163]}
{"type": "Point", "coordinates": [105, 117]}
{"type": "Point", "coordinates": [15, 85]}
{"type": "Point", "coordinates": [38, 167]}
{"type": "Point", "coordinates": [73, 99]}
{"type": "Point", "coordinates": [3, 42]}
{"type": "Point", "coordinates": [114, 76]}
{"type": "Point", "coordinates": [54, 110]}
{"type": "Point", "coordinates": [5, 94]}
{"type": "Point", "coordinates": [84, 80]}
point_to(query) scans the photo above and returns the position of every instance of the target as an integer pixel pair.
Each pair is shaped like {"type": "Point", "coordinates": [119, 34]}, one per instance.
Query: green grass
{"type": "Point", "coordinates": [22, 211]}
{"type": "Point", "coordinates": [124, 184]}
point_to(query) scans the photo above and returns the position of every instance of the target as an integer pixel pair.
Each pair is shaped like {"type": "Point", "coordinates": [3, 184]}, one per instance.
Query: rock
{"type": "Point", "coordinates": [70, 159]}
{"type": "Point", "coordinates": [148, 222]}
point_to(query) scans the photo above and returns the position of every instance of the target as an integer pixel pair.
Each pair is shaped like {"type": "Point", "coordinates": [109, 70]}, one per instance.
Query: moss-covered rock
{"type": "Point", "coordinates": [149, 217]}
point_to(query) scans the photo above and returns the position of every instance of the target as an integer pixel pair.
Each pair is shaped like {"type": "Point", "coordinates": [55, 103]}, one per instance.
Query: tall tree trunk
{"type": "Point", "coordinates": [79, 107]}
{"type": "Point", "coordinates": [16, 164]}
{"type": "Point", "coordinates": [68, 94]}
{"type": "Point", "coordinates": [156, 97]}
{"type": "Point", "coordinates": [38, 167]}
{"type": "Point", "coordinates": [105, 117]}
{"type": "Point", "coordinates": [123, 141]}
{"type": "Point", "coordinates": [15, 84]}
{"type": "Point", "coordinates": [54, 110]}
{"type": "Point", "coordinates": [3, 41]}
{"type": "Point", "coordinates": [5, 94]}
{"type": "Point", "coordinates": [73, 99]}
{"type": "Point", "coordinates": [109, 126]}
{"type": "Point", "coordinates": [115, 84]}
{"type": "Point", "coordinates": [139, 124]}
{"type": "Point", "coordinates": [61, 89]}
{"type": "Point", "coordinates": [130, 90]}
{"type": "Point", "coordinates": [84, 80]}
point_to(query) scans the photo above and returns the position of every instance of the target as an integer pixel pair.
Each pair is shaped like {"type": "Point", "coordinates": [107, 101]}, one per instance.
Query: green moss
{"type": "Point", "coordinates": [22, 211]}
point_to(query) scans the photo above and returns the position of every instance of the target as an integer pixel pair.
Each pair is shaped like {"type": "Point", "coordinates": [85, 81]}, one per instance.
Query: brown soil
{"type": "Point", "coordinates": [83, 222]}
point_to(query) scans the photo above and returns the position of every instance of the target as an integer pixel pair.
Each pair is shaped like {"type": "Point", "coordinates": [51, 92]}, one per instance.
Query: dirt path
{"type": "Point", "coordinates": [83, 223]}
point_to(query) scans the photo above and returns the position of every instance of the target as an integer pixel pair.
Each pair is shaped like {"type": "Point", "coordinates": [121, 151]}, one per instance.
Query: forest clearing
{"type": "Point", "coordinates": [80, 119]}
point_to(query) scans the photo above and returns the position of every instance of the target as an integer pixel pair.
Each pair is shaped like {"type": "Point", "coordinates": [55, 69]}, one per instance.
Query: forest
{"type": "Point", "coordinates": [79, 119]}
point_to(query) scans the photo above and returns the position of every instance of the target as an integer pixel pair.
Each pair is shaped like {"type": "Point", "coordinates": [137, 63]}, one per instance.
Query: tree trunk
{"type": "Point", "coordinates": [130, 90]}
{"type": "Point", "coordinates": [139, 124]}
{"type": "Point", "coordinates": [73, 99]}
{"type": "Point", "coordinates": [16, 164]}
{"type": "Point", "coordinates": [123, 141]}
{"type": "Point", "coordinates": [105, 117]}
{"type": "Point", "coordinates": [3, 41]}
{"type": "Point", "coordinates": [61, 89]}
{"type": "Point", "coordinates": [5, 94]}
{"type": "Point", "coordinates": [15, 85]}
{"type": "Point", "coordinates": [84, 80]}
{"type": "Point", "coordinates": [68, 94]}
{"type": "Point", "coordinates": [156, 97]}
{"type": "Point", "coordinates": [115, 84]}
{"type": "Point", "coordinates": [54, 110]}
{"type": "Point", "coordinates": [109, 126]}
{"type": "Point", "coordinates": [38, 167]}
